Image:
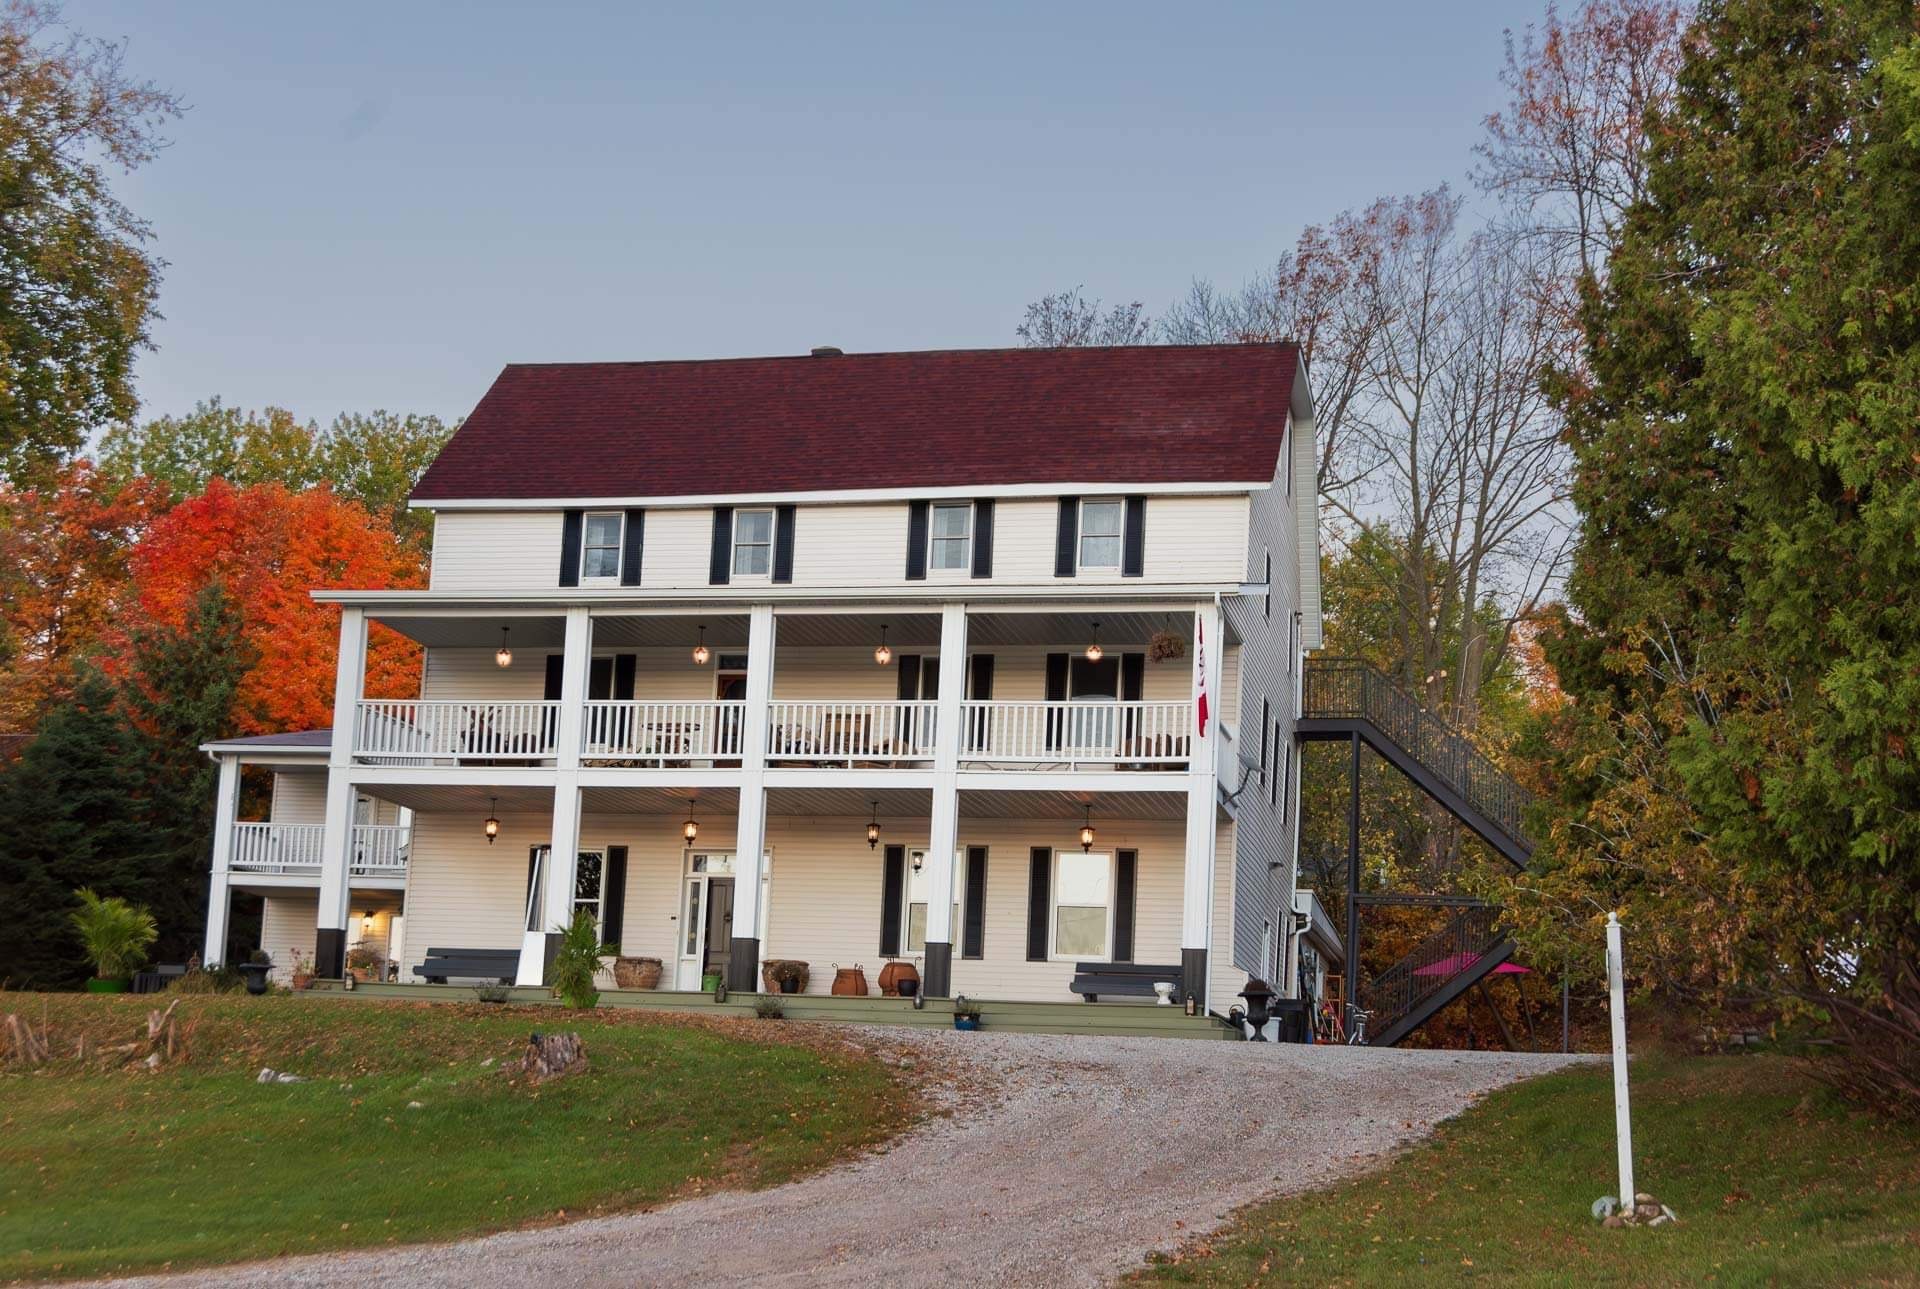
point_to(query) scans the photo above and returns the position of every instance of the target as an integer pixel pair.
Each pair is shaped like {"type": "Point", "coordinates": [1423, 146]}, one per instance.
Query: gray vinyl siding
{"type": "Point", "coordinates": [1264, 833]}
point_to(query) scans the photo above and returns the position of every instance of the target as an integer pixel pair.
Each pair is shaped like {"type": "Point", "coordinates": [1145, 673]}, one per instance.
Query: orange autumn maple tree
{"type": "Point", "coordinates": [271, 546]}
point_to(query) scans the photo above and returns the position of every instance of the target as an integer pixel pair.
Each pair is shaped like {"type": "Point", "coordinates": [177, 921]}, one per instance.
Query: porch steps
{"type": "Point", "coordinates": [1113, 1019]}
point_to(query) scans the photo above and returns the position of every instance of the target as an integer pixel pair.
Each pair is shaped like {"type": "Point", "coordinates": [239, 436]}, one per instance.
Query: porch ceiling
{"type": "Point", "coordinates": [452, 798]}
{"type": "Point", "coordinates": [717, 802]}
{"type": "Point", "coordinates": [1116, 629]}
{"type": "Point", "coordinates": [848, 802]}
{"type": "Point", "coordinates": [1072, 805]}
{"type": "Point", "coordinates": [478, 631]}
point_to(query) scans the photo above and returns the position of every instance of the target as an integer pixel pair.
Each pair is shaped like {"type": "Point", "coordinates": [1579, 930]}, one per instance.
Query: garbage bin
{"type": "Point", "coordinates": [1290, 1017]}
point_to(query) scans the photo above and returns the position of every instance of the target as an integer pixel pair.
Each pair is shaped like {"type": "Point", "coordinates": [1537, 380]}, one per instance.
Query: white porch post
{"type": "Point", "coordinates": [226, 800]}
{"type": "Point", "coordinates": [750, 838]}
{"type": "Point", "coordinates": [538, 944]}
{"type": "Point", "coordinates": [1196, 922]}
{"type": "Point", "coordinates": [336, 843]}
{"type": "Point", "coordinates": [943, 827]}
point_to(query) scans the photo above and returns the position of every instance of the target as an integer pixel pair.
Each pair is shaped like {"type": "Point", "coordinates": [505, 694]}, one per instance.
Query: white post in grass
{"type": "Point", "coordinates": [1617, 1009]}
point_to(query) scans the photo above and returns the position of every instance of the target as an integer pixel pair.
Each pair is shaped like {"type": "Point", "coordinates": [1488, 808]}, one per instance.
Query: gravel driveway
{"type": "Point", "coordinates": [1069, 1159]}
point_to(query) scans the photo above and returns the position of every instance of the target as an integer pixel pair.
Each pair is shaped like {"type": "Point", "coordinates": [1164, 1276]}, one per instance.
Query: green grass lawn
{"type": "Point", "coordinates": [103, 1172]}
{"type": "Point", "coordinates": [1774, 1182]}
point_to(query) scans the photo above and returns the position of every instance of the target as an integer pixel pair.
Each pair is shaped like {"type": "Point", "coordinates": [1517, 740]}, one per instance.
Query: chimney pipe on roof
{"type": "Point", "coordinates": [826, 351]}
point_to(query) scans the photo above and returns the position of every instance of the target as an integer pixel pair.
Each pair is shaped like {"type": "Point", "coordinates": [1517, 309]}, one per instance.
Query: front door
{"type": "Point", "coordinates": [719, 926]}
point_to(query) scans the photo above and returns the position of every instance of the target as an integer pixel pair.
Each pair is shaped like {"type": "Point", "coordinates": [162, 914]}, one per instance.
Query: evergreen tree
{"type": "Point", "coordinates": [66, 821]}
{"type": "Point", "coordinates": [1745, 651]}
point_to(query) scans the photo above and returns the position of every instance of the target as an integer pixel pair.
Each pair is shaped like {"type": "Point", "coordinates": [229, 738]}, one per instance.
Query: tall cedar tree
{"type": "Point", "coordinates": [66, 821]}
{"type": "Point", "coordinates": [1746, 650]}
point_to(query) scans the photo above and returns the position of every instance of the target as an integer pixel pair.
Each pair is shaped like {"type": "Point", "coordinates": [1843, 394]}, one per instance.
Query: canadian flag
{"type": "Point", "coordinates": [1200, 673]}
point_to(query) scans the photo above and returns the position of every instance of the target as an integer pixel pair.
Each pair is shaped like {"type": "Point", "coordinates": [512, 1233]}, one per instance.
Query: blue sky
{"type": "Point", "coordinates": [377, 205]}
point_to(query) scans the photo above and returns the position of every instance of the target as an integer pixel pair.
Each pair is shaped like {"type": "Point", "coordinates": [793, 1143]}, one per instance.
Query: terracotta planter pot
{"type": "Point", "coordinates": [637, 973]}
{"type": "Point", "coordinates": [850, 982]}
{"type": "Point", "coordinates": [893, 973]}
{"type": "Point", "coordinates": [303, 980]}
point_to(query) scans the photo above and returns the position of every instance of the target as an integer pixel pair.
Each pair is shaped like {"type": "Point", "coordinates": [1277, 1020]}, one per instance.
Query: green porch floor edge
{"type": "Point", "coordinates": [1112, 1019]}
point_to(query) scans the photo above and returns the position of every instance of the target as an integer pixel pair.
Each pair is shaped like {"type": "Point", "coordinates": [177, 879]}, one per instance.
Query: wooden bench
{"type": "Point", "coordinates": [1121, 979]}
{"type": "Point", "coordinates": [443, 965]}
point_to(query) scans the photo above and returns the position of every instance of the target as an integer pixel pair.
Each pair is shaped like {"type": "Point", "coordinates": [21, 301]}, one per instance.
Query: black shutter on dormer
{"type": "Point", "coordinates": [570, 548]}
{"type": "Point", "coordinates": [916, 540]}
{"type": "Point", "coordinates": [1066, 536]}
{"type": "Point", "coordinates": [1133, 539]}
{"type": "Point", "coordinates": [613, 902]}
{"type": "Point", "coordinates": [893, 890]}
{"type": "Point", "coordinates": [720, 561]}
{"type": "Point", "coordinates": [783, 518]}
{"type": "Point", "coordinates": [973, 933]}
{"type": "Point", "coordinates": [983, 537]}
{"type": "Point", "coordinates": [632, 546]}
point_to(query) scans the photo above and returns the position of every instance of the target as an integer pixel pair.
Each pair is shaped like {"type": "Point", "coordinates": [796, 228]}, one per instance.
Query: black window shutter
{"type": "Point", "coordinates": [1133, 539]}
{"type": "Point", "coordinates": [533, 871]}
{"type": "Point", "coordinates": [908, 685]}
{"type": "Point", "coordinates": [983, 537]}
{"type": "Point", "coordinates": [1066, 537]}
{"type": "Point", "coordinates": [630, 548]}
{"type": "Point", "coordinates": [893, 889]}
{"type": "Point", "coordinates": [556, 663]}
{"type": "Point", "coordinates": [783, 517]}
{"type": "Point", "coordinates": [1126, 864]}
{"type": "Point", "coordinates": [600, 678]}
{"type": "Point", "coordinates": [1056, 693]}
{"type": "Point", "coordinates": [624, 666]}
{"type": "Point", "coordinates": [570, 548]}
{"type": "Point", "coordinates": [980, 690]}
{"type": "Point", "coordinates": [930, 679]}
{"type": "Point", "coordinates": [1133, 676]}
{"type": "Point", "coordinates": [916, 540]}
{"type": "Point", "coordinates": [720, 563]}
{"type": "Point", "coordinates": [973, 936]}
{"type": "Point", "coordinates": [613, 901]}
{"type": "Point", "coordinates": [1039, 897]}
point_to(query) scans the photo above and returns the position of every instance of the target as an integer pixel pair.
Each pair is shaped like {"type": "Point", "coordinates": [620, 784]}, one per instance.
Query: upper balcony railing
{"type": "Point", "coordinates": [624, 732]}
{"type": "Point", "coordinates": [850, 732]}
{"type": "Point", "coordinates": [1077, 734]}
{"type": "Point", "coordinates": [417, 732]}
{"type": "Point", "coordinates": [379, 850]}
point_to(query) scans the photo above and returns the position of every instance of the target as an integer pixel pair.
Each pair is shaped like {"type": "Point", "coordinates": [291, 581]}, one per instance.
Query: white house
{"type": "Point", "coordinates": [846, 658]}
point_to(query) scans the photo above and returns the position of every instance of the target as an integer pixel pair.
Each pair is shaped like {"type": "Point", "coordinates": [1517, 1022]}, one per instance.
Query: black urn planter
{"type": "Point", "coordinates": [255, 974]}
{"type": "Point", "coordinates": [908, 987]}
{"type": "Point", "coordinates": [789, 985]}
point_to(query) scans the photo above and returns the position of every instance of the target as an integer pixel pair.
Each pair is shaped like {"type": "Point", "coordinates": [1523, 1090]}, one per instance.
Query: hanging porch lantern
{"type": "Point", "coordinates": [881, 653]}
{"type": "Point", "coordinates": [1094, 652]}
{"type": "Point", "coordinates": [1086, 830]}
{"type": "Point", "coordinates": [492, 826]}
{"type": "Point", "coordinates": [503, 656]}
{"type": "Point", "coordinates": [691, 829]}
{"type": "Point", "coordinates": [873, 828]}
{"type": "Point", "coordinates": [700, 653]}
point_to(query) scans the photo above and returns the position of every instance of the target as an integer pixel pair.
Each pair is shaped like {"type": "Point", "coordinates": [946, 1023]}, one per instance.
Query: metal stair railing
{"type": "Point", "coordinates": [1350, 689]}
{"type": "Point", "coordinates": [1456, 948]}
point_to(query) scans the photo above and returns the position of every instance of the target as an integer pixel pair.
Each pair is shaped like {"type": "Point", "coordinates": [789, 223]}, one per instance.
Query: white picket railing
{"type": "Point", "coordinates": [662, 733]}
{"type": "Point", "coordinates": [411, 730]}
{"type": "Point", "coordinates": [1077, 733]}
{"type": "Point", "coordinates": [379, 850]}
{"type": "Point", "coordinates": [850, 732]}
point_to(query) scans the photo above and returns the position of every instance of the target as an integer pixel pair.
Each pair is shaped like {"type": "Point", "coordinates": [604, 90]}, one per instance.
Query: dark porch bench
{"type": "Point", "coordinates": [1121, 979]}
{"type": "Point", "coordinates": [469, 964]}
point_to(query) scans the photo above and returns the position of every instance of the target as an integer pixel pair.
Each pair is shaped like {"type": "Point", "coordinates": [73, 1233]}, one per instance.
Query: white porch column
{"type": "Point", "coordinates": [226, 800]}
{"type": "Point", "coordinates": [750, 838]}
{"type": "Point", "coordinates": [538, 944]}
{"type": "Point", "coordinates": [943, 828]}
{"type": "Point", "coordinates": [1196, 921]}
{"type": "Point", "coordinates": [336, 844]}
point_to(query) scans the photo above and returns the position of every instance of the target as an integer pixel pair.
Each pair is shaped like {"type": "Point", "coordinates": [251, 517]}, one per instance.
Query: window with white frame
{"type": "Point", "coordinates": [1082, 905]}
{"type": "Point", "coordinates": [1100, 525]}
{"type": "Point", "coordinates": [951, 536]}
{"type": "Point", "coordinates": [600, 534]}
{"type": "Point", "coordinates": [919, 885]}
{"type": "Point", "coordinates": [753, 543]}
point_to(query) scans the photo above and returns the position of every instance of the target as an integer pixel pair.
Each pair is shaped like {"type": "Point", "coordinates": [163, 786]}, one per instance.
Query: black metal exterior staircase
{"type": "Point", "coordinates": [1350, 700]}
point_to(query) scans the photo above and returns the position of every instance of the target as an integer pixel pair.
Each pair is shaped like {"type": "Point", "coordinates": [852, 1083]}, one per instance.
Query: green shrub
{"type": "Point", "coordinates": [116, 934]}
{"type": "Point", "coordinates": [219, 980]}
{"type": "Point", "coordinates": [577, 961]}
{"type": "Point", "coordinates": [769, 1007]}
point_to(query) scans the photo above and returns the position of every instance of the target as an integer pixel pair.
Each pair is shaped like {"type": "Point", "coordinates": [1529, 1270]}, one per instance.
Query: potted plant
{"type": "Point", "coordinates": [303, 969]}
{"type": "Point", "coordinates": [254, 971]}
{"type": "Point", "coordinates": [361, 961]}
{"type": "Point", "coordinates": [784, 975]}
{"type": "Point", "coordinates": [966, 1013]}
{"type": "Point", "coordinates": [116, 935]}
{"type": "Point", "coordinates": [577, 961]}
{"type": "Point", "coordinates": [637, 973]}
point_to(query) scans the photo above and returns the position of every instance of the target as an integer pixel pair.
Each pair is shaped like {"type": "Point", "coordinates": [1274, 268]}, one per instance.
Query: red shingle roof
{"type": "Point", "coordinates": [944, 418]}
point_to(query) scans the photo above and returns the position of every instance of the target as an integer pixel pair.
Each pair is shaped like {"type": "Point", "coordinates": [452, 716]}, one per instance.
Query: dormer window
{"type": "Point", "coordinates": [601, 533]}
{"type": "Point", "coordinates": [1100, 525]}
{"type": "Point", "coordinates": [752, 543]}
{"type": "Point", "coordinates": [951, 537]}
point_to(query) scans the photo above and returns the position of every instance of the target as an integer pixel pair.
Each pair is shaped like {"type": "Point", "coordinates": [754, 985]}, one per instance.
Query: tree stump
{"type": "Point", "coordinates": [549, 1056]}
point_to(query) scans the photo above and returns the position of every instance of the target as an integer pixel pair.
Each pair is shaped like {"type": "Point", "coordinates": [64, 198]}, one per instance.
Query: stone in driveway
{"type": "Point", "coordinates": [1068, 1159]}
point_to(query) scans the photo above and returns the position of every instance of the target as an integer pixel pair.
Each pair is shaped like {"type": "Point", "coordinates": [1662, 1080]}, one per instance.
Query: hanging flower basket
{"type": "Point", "coordinates": [1165, 646]}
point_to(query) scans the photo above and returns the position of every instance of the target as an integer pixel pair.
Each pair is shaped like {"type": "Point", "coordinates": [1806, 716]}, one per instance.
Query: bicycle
{"type": "Point", "coordinates": [1357, 1034]}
